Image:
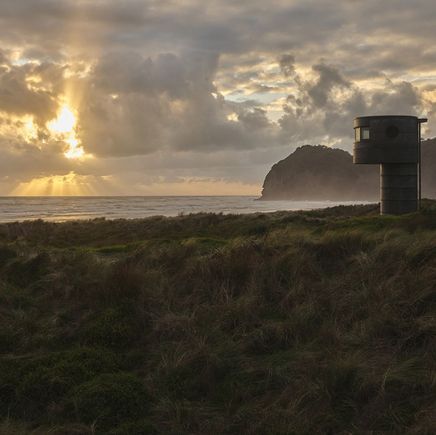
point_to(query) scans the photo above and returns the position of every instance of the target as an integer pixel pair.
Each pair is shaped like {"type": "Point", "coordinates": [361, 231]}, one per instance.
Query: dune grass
{"type": "Point", "coordinates": [319, 322]}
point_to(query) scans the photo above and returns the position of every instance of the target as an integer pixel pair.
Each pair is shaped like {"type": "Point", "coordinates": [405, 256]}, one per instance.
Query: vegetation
{"type": "Point", "coordinates": [319, 322]}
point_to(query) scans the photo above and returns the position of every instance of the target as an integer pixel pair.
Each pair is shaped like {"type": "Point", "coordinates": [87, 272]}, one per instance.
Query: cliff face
{"type": "Point", "coordinates": [323, 173]}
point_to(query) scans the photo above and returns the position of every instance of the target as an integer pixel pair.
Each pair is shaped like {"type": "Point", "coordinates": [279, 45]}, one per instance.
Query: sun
{"type": "Point", "coordinates": [64, 123]}
{"type": "Point", "coordinates": [63, 128]}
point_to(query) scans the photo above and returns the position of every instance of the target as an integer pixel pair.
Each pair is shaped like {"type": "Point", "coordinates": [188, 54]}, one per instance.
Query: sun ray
{"type": "Point", "coordinates": [61, 185]}
{"type": "Point", "coordinates": [63, 128]}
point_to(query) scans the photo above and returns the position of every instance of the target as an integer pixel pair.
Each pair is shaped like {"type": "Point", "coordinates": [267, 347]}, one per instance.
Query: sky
{"type": "Point", "coordinates": [194, 97]}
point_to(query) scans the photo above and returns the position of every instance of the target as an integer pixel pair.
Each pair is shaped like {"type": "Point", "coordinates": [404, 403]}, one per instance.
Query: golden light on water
{"type": "Point", "coordinates": [63, 128]}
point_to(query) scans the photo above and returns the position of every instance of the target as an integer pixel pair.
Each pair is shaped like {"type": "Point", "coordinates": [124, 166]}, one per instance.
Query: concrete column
{"type": "Point", "coordinates": [398, 188]}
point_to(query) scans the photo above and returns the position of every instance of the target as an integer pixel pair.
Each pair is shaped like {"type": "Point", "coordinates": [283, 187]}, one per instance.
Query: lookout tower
{"type": "Point", "coordinates": [393, 142]}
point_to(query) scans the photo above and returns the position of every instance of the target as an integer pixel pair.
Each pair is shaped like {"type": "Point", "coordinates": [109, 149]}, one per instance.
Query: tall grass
{"type": "Point", "coordinates": [287, 323]}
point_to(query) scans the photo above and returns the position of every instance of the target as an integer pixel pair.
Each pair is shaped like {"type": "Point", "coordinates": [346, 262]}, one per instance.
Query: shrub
{"type": "Point", "coordinates": [6, 254]}
{"type": "Point", "coordinates": [109, 400]}
{"type": "Point", "coordinates": [30, 386]}
{"type": "Point", "coordinates": [25, 273]}
{"type": "Point", "coordinates": [9, 378]}
{"type": "Point", "coordinates": [8, 338]}
{"type": "Point", "coordinates": [38, 389]}
{"type": "Point", "coordinates": [113, 328]}
{"type": "Point", "coordinates": [141, 427]}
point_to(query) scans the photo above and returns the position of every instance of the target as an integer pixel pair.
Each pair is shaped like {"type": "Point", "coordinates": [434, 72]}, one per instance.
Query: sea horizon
{"type": "Point", "coordinates": [68, 208]}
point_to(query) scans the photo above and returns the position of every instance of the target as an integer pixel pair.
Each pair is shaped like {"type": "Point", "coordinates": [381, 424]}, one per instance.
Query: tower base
{"type": "Point", "coordinates": [398, 188]}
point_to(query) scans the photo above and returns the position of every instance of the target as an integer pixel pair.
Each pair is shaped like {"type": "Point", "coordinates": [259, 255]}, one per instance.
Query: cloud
{"type": "Point", "coordinates": [287, 64]}
{"type": "Point", "coordinates": [322, 110]}
{"type": "Point", "coordinates": [173, 89]}
{"type": "Point", "coordinates": [328, 79]}
{"type": "Point", "coordinates": [138, 105]}
{"type": "Point", "coordinates": [16, 97]}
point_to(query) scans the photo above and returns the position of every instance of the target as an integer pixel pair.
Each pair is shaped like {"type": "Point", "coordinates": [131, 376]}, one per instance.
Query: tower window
{"type": "Point", "coordinates": [361, 133]}
{"type": "Point", "coordinates": [357, 134]}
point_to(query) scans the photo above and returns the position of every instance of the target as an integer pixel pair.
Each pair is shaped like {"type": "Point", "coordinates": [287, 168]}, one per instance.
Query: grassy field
{"type": "Point", "coordinates": [320, 322]}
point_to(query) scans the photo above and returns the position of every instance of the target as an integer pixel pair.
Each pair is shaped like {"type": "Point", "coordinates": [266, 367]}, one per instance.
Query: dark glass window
{"type": "Point", "coordinates": [364, 133]}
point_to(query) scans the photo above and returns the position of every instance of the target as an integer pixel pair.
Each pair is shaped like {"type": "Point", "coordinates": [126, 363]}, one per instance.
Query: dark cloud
{"type": "Point", "coordinates": [315, 113]}
{"type": "Point", "coordinates": [17, 98]}
{"type": "Point", "coordinates": [287, 64]}
{"type": "Point", "coordinates": [328, 78]}
{"type": "Point", "coordinates": [137, 105]}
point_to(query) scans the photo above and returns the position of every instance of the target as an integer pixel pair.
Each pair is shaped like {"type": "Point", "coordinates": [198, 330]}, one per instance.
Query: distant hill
{"type": "Point", "coordinates": [323, 173]}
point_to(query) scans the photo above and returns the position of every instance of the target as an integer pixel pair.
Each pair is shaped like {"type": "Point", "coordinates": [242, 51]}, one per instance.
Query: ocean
{"type": "Point", "coordinates": [68, 208]}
